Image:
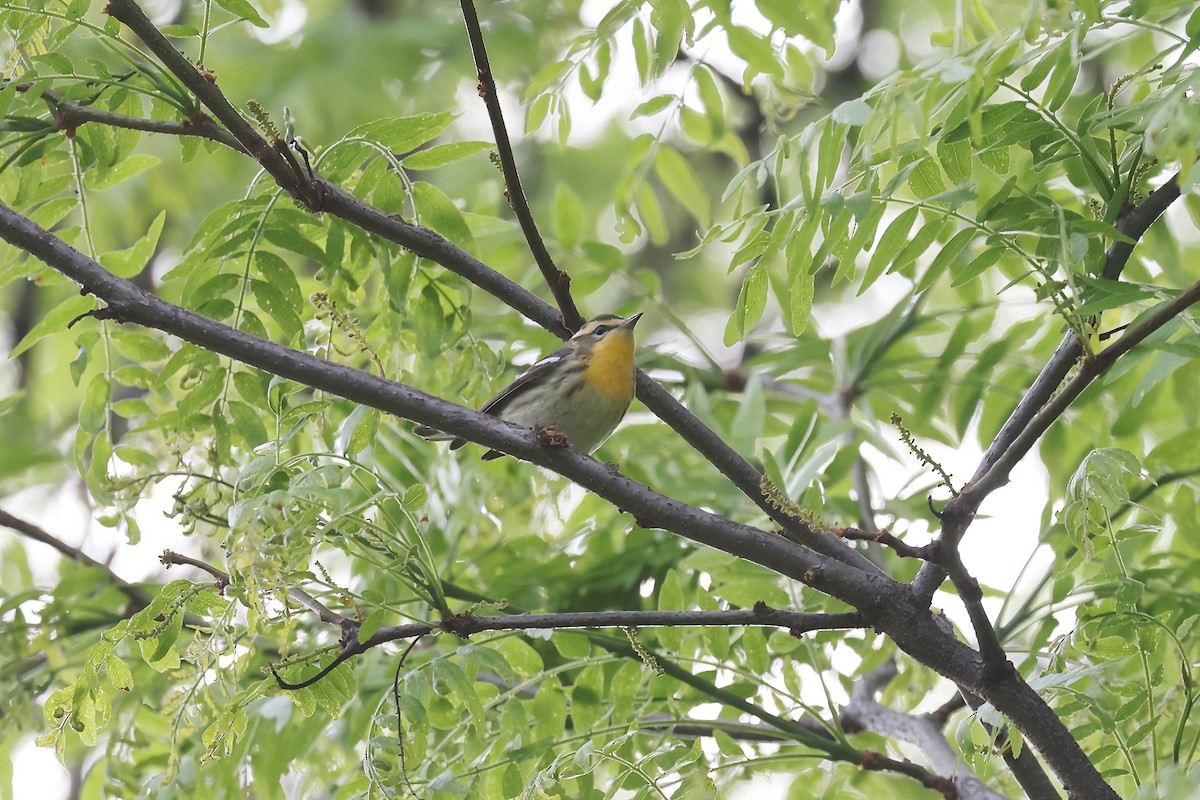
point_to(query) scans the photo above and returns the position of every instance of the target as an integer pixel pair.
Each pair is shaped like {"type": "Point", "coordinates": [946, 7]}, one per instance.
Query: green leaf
{"type": "Point", "coordinates": [122, 171]}
{"type": "Point", "coordinates": [653, 106]}
{"type": "Point", "coordinates": [371, 625]}
{"type": "Point", "coordinates": [752, 301]}
{"type": "Point", "coordinates": [756, 50]}
{"type": "Point", "coordinates": [131, 261]}
{"type": "Point", "coordinates": [94, 407]}
{"type": "Point", "coordinates": [55, 321]}
{"type": "Point", "coordinates": [402, 134]}
{"type": "Point", "coordinates": [442, 154]}
{"type": "Point", "coordinates": [273, 300]}
{"type": "Point", "coordinates": [893, 240]}
{"type": "Point", "coordinates": [243, 10]}
{"type": "Point", "coordinates": [679, 179]}
{"type": "Point", "coordinates": [138, 346]}
{"type": "Point", "coordinates": [926, 179]}
{"type": "Point", "coordinates": [119, 673]}
{"type": "Point", "coordinates": [801, 293]}
{"type": "Point", "coordinates": [439, 213]}
{"type": "Point", "coordinates": [956, 159]}
{"type": "Point", "coordinates": [945, 257]}
{"type": "Point", "coordinates": [537, 113]}
{"type": "Point", "coordinates": [977, 266]}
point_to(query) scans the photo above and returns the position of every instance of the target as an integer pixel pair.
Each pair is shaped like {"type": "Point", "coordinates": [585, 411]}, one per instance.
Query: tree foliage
{"type": "Point", "coordinates": [868, 239]}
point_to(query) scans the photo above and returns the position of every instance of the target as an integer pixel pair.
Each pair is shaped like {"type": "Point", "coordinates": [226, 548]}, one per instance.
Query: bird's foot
{"type": "Point", "coordinates": [551, 436]}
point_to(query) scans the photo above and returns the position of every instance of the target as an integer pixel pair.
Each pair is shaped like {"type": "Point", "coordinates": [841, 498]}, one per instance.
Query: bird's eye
{"type": "Point", "coordinates": [601, 330]}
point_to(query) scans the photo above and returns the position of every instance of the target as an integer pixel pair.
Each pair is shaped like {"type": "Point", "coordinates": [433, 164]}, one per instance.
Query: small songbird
{"type": "Point", "coordinates": [580, 391]}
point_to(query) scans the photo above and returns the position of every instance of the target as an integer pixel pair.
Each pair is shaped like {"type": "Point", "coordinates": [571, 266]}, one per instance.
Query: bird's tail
{"type": "Point", "coordinates": [434, 435]}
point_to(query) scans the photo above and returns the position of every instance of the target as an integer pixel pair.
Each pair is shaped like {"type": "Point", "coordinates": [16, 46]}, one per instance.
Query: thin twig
{"type": "Point", "coordinates": [302, 597]}
{"type": "Point", "coordinates": [71, 115]}
{"type": "Point", "coordinates": [558, 281]}
{"type": "Point", "coordinates": [884, 537]}
{"type": "Point", "coordinates": [137, 595]}
{"type": "Point", "coordinates": [400, 717]}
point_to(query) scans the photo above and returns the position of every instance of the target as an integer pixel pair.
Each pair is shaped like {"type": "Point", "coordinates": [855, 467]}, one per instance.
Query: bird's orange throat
{"type": "Point", "coordinates": [610, 369]}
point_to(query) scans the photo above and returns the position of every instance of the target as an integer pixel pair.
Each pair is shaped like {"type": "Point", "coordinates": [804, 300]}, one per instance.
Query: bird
{"type": "Point", "coordinates": [578, 393]}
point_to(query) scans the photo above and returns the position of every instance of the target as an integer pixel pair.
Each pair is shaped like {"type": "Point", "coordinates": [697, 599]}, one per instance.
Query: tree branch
{"type": "Point", "coordinates": [323, 196]}
{"type": "Point", "coordinates": [961, 511]}
{"type": "Point", "coordinates": [464, 625]}
{"type": "Point", "coordinates": [1089, 369]}
{"type": "Point", "coordinates": [558, 281]}
{"type": "Point", "coordinates": [865, 713]}
{"type": "Point", "coordinates": [888, 606]}
{"type": "Point", "coordinates": [994, 657]}
{"type": "Point", "coordinates": [302, 597]}
{"type": "Point", "coordinates": [70, 114]}
{"type": "Point", "coordinates": [137, 595]}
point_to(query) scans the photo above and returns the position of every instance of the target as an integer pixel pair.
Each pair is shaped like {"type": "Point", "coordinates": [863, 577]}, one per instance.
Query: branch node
{"type": "Point", "coordinates": [458, 624]}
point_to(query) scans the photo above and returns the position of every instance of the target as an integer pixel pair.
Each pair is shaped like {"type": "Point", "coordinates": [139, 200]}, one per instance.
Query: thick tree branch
{"type": "Point", "coordinates": [322, 196]}
{"type": "Point", "coordinates": [204, 86]}
{"type": "Point", "coordinates": [889, 607]}
{"type": "Point", "coordinates": [557, 280]}
{"type": "Point", "coordinates": [1017, 436]}
{"type": "Point", "coordinates": [864, 713]}
{"type": "Point", "coordinates": [137, 595]}
{"type": "Point", "coordinates": [1089, 369]}
{"type": "Point", "coordinates": [128, 303]}
{"type": "Point", "coordinates": [464, 625]}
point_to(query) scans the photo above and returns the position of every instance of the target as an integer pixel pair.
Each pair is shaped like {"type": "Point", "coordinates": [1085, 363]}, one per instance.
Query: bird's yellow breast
{"type": "Point", "coordinates": [610, 369]}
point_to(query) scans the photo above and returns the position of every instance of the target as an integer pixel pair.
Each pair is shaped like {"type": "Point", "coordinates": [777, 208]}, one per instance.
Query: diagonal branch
{"type": "Point", "coordinates": [994, 658]}
{"type": "Point", "coordinates": [558, 281]}
{"type": "Point", "coordinates": [1089, 369]}
{"type": "Point", "coordinates": [864, 712]}
{"type": "Point", "coordinates": [322, 196]}
{"type": "Point", "coordinates": [137, 595]}
{"type": "Point", "coordinates": [1018, 435]}
{"type": "Point", "coordinates": [127, 302]}
{"type": "Point", "coordinates": [887, 606]}
{"type": "Point", "coordinates": [326, 614]}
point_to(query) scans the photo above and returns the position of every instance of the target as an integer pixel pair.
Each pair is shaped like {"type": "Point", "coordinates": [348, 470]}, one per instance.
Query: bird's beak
{"type": "Point", "coordinates": [629, 323]}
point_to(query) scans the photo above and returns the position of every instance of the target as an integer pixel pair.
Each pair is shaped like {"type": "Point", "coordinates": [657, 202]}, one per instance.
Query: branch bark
{"type": "Point", "coordinates": [322, 196]}
{"type": "Point", "coordinates": [558, 281]}
{"type": "Point", "coordinates": [865, 713]}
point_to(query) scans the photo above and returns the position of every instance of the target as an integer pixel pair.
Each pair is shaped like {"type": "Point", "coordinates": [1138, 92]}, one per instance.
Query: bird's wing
{"type": "Point", "coordinates": [523, 381]}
